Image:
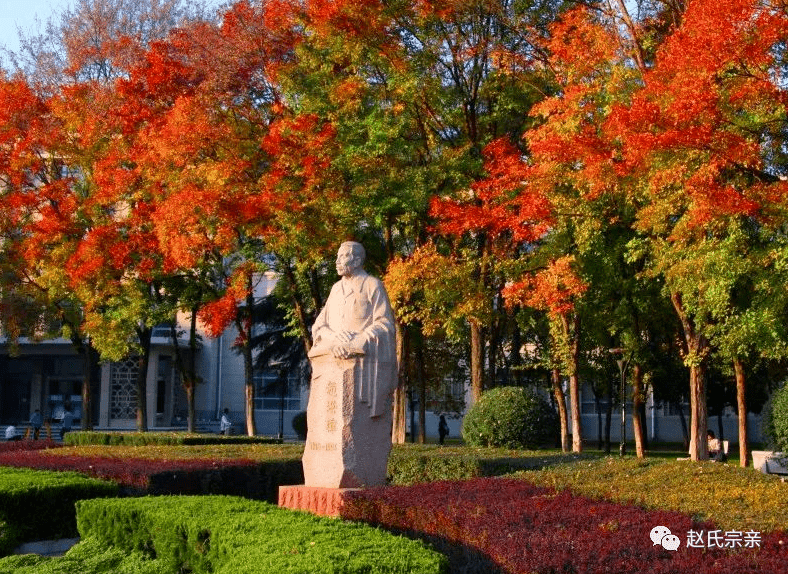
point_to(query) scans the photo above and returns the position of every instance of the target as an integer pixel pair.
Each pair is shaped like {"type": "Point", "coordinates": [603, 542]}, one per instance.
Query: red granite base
{"type": "Point", "coordinates": [317, 500]}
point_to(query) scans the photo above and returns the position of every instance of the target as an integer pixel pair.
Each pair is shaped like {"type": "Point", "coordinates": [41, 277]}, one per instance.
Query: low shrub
{"type": "Point", "coordinates": [412, 464]}
{"type": "Point", "coordinates": [166, 476]}
{"type": "Point", "coordinates": [775, 423]}
{"type": "Point", "coordinates": [77, 438]}
{"type": "Point", "coordinates": [234, 535]}
{"type": "Point", "coordinates": [522, 527]}
{"type": "Point", "coordinates": [15, 445]}
{"type": "Point", "coordinates": [39, 505]}
{"type": "Point", "coordinates": [87, 557]}
{"type": "Point", "coordinates": [511, 417]}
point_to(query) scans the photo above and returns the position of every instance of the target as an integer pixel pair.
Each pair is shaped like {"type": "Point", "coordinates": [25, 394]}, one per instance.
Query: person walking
{"type": "Point", "coordinates": [443, 429]}
{"type": "Point", "coordinates": [36, 420]}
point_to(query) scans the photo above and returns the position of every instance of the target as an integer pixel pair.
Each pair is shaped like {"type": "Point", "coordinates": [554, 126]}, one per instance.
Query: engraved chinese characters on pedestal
{"type": "Point", "coordinates": [353, 378]}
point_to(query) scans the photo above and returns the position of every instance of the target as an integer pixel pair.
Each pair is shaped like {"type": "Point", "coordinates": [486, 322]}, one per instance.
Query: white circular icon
{"type": "Point", "coordinates": [671, 542]}
{"type": "Point", "coordinates": [662, 535]}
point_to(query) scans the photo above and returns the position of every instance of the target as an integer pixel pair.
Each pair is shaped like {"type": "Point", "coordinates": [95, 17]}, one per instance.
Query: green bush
{"type": "Point", "coordinates": [233, 535]}
{"type": "Point", "coordinates": [510, 417]}
{"type": "Point", "coordinates": [87, 557]}
{"type": "Point", "coordinates": [413, 463]}
{"type": "Point", "coordinates": [299, 425]}
{"type": "Point", "coordinates": [81, 438]}
{"type": "Point", "coordinates": [775, 420]}
{"type": "Point", "coordinates": [39, 505]}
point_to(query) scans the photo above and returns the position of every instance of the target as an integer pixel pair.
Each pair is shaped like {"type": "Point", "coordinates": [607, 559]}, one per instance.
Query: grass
{"type": "Point", "coordinates": [730, 496]}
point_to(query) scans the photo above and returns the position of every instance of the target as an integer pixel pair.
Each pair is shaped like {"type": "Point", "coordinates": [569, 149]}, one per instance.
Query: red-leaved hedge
{"type": "Point", "coordinates": [16, 445]}
{"type": "Point", "coordinates": [525, 528]}
{"type": "Point", "coordinates": [182, 476]}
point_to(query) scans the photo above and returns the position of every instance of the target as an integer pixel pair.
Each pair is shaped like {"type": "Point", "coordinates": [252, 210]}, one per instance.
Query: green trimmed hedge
{"type": "Point", "coordinates": [233, 535]}
{"type": "Point", "coordinates": [413, 464]}
{"type": "Point", "coordinates": [78, 438]}
{"type": "Point", "coordinates": [39, 505]}
{"type": "Point", "coordinates": [87, 557]}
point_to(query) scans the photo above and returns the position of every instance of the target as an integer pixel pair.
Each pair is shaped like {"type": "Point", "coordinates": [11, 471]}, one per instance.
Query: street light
{"type": "Point", "coordinates": [622, 369]}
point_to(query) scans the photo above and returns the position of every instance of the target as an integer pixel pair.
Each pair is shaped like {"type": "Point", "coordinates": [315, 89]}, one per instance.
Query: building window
{"type": "Point", "coordinates": [123, 389]}
{"type": "Point", "coordinates": [271, 393]}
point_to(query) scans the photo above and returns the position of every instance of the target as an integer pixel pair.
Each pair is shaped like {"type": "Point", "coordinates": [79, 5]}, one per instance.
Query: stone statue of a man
{"type": "Point", "coordinates": [353, 378]}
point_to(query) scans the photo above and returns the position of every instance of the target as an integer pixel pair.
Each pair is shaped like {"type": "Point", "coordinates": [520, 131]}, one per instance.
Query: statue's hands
{"type": "Point", "coordinates": [342, 351]}
{"type": "Point", "coordinates": [344, 336]}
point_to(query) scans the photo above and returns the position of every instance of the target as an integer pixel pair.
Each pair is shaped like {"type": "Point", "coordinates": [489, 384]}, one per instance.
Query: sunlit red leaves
{"type": "Point", "coordinates": [699, 122]}
{"type": "Point", "coordinates": [571, 147]}
{"type": "Point", "coordinates": [502, 204]}
{"type": "Point", "coordinates": [347, 17]}
{"type": "Point", "coordinates": [554, 289]}
{"type": "Point", "coordinates": [580, 49]}
{"type": "Point", "coordinates": [262, 35]}
{"type": "Point", "coordinates": [216, 315]}
{"type": "Point", "coordinates": [300, 148]}
{"type": "Point", "coordinates": [27, 129]}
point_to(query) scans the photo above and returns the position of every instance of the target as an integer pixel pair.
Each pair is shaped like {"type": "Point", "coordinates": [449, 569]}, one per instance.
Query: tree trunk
{"type": "Point", "coordinates": [697, 350]}
{"type": "Point", "coordinates": [298, 306]}
{"type": "Point", "coordinates": [698, 447]}
{"type": "Point", "coordinates": [477, 362]}
{"type": "Point", "coordinates": [637, 403]}
{"type": "Point", "coordinates": [187, 372]}
{"type": "Point", "coordinates": [398, 430]}
{"type": "Point", "coordinates": [572, 334]}
{"type": "Point", "coordinates": [608, 417]}
{"type": "Point", "coordinates": [144, 333]}
{"type": "Point", "coordinates": [558, 393]}
{"type": "Point", "coordinates": [644, 422]}
{"type": "Point", "coordinates": [191, 373]}
{"type": "Point", "coordinates": [90, 359]}
{"type": "Point", "coordinates": [741, 405]}
{"type": "Point", "coordinates": [574, 404]}
{"type": "Point", "coordinates": [249, 390]}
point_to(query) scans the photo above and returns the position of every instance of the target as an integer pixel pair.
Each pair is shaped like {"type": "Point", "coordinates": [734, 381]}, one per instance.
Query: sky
{"type": "Point", "coordinates": [22, 13]}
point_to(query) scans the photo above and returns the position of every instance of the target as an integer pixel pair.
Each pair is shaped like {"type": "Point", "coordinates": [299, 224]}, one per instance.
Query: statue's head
{"type": "Point", "coordinates": [350, 258]}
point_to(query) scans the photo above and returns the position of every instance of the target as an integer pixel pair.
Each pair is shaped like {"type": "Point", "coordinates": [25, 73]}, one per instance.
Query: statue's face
{"type": "Point", "coordinates": [347, 262]}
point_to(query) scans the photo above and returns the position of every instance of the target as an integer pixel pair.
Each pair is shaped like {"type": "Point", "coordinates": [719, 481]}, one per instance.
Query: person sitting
{"type": "Point", "coordinates": [714, 446]}
{"type": "Point", "coordinates": [225, 426]}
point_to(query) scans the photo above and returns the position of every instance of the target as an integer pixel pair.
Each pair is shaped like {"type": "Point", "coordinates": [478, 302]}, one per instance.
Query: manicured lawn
{"type": "Point", "coordinates": [724, 493]}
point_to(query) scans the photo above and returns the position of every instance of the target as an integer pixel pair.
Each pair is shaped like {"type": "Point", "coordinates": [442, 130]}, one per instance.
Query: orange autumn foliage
{"type": "Point", "coordinates": [554, 289]}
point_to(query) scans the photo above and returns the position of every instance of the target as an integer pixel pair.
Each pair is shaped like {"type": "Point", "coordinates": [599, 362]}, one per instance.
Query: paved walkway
{"type": "Point", "coordinates": [46, 547]}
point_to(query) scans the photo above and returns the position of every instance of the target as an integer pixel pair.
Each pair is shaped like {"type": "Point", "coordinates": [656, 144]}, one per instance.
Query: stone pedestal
{"type": "Point", "coordinates": [345, 446]}
{"type": "Point", "coordinates": [322, 501]}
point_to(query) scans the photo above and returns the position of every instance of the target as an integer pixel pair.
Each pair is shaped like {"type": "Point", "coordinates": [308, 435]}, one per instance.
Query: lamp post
{"type": "Point", "coordinates": [622, 369]}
